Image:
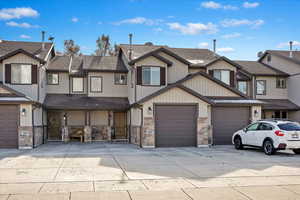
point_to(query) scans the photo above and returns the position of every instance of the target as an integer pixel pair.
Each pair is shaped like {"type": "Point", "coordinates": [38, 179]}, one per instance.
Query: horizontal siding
{"type": "Point", "coordinates": [221, 65]}
{"type": "Point", "coordinates": [207, 87]}
{"type": "Point", "coordinates": [99, 118]}
{"type": "Point", "coordinates": [271, 91]}
{"type": "Point", "coordinates": [62, 87]}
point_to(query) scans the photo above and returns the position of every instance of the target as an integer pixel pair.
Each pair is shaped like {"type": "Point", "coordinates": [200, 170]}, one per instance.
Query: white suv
{"type": "Point", "coordinates": [270, 135]}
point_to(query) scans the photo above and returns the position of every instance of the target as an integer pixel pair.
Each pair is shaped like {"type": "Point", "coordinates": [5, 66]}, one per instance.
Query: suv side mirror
{"type": "Point", "coordinates": [245, 130]}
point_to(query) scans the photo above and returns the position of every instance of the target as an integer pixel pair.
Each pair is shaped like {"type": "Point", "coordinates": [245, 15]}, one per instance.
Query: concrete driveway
{"type": "Point", "coordinates": [122, 171]}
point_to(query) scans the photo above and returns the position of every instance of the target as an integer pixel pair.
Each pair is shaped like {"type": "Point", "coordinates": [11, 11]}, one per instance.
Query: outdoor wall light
{"type": "Point", "coordinates": [23, 111]}
{"type": "Point", "coordinates": [255, 113]}
{"type": "Point", "coordinates": [65, 117]}
{"type": "Point", "coordinates": [149, 109]}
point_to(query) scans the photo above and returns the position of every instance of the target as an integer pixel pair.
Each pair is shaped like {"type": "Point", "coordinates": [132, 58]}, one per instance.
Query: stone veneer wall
{"type": "Point", "coordinates": [148, 131]}
{"type": "Point", "coordinates": [25, 137]}
{"type": "Point", "coordinates": [135, 132]}
{"type": "Point", "coordinates": [38, 135]}
{"type": "Point", "coordinates": [204, 132]}
{"type": "Point", "coordinates": [100, 133]}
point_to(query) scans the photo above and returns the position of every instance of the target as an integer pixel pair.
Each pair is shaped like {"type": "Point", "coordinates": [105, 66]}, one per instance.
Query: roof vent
{"type": "Point", "coordinates": [149, 44]}
{"type": "Point", "coordinates": [291, 49]}
{"type": "Point", "coordinates": [259, 54]}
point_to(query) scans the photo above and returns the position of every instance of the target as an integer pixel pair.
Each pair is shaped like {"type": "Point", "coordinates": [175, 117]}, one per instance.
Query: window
{"type": "Point", "coordinates": [52, 79]}
{"type": "Point", "coordinates": [222, 75]}
{"type": "Point", "coordinates": [77, 84]}
{"type": "Point", "coordinates": [121, 79]}
{"type": "Point", "coordinates": [242, 86]}
{"type": "Point", "coordinates": [281, 83]}
{"type": "Point", "coordinates": [289, 126]}
{"type": "Point", "coordinates": [253, 127]}
{"type": "Point", "coordinates": [21, 74]}
{"type": "Point", "coordinates": [261, 87]}
{"type": "Point", "coordinates": [96, 83]}
{"type": "Point", "coordinates": [280, 115]}
{"type": "Point", "coordinates": [269, 58]}
{"type": "Point", "coordinates": [265, 127]}
{"type": "Point", "coordinates": [151, 75]}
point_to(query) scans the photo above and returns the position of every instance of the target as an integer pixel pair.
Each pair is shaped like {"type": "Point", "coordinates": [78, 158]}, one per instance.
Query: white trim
{"type": "Point", "coordinates": [25, 148]}
{"type": "Point", "coordinates": [204, 145]}
{"type": "Point", "coordinates": [13, 99]}
{"type": "Point", "coordinates": [52, 46]}
{"type": "Point", "coordinates": [238, 101]}
{"type": "Point", "coordinates": [148, 147]}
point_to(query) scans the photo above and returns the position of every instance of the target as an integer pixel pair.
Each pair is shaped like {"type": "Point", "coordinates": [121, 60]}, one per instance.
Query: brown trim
{"type": "Point", "coordinates": [106, 70]}
{"type": "Point", "coordinates": [7, 73]}
{"type": "Point", "coordinates": [150, 66]}
{"type": "Point", "coordinates": [82, 85]}
{"type": "Point", "coordinates": [34, 74]}
{"type": "Point", "coordinates": [90, 77]}
{"type": "Point", "coordinates": [52, 74]}
{"type": "Point", "coordinates": [115, 74]}
{"type": "Point", "coordinates": [23, 52]}
{"type": "Point", "coordinates": [265, 87]}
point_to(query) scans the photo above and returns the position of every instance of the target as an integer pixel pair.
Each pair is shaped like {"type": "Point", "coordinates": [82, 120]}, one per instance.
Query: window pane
{"type": "Point", "coordinates": [289, 127]}
{"type": "Point", "coordinates": [242, 86]}
{"type": "Point", "coordinates": [155, 76]}
{"type": "Point", "coordinates": [21, 74]}
{"type": "Point", "coordinates": [52, 78]}
{"type": "Point", "coordinates": [217, 74]}
{"type": "Point", "coordinates": [77, 84]}
{"type": "Point", "coordinates": [260, 87]}
{"type": "Point", "coordinates": [225, 76]}
{"type": "Point", "coordinates": [96, 84]}
{"type": "Point", "coordinates": [121, 79]}
{"type": "Point", "coordinates": [146, 73]}
{"type": "Point", "coordinates": [253, 127]}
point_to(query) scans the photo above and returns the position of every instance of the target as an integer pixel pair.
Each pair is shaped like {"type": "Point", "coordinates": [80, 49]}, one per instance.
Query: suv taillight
{"type": "Point", "coordinates": [279, 133]}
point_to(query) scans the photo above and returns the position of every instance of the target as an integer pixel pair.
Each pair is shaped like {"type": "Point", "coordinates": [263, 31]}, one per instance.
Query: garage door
{"type": "Point", "coordinates": [8, 126]}
{"type": "Point", "coordinates": [226, 121]}
{"type": "Point", "coordinates": [175, 125]}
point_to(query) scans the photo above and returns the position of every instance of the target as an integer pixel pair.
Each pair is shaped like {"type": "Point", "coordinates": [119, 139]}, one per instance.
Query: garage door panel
{"type": "Point", "coordinates": [226, 121]}
{"type": "Point", "coordinates": [175, 125]}
{"type": "Point", "coordinates": [9, 126]}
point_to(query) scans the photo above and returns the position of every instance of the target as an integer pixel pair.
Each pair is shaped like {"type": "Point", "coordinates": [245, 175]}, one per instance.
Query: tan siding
{"type": "Point", "coordinates": [38, 112]}
{"type": "Point", "coordinates": [76, 118]}
{"type": "Point", "coordinates": [26, 120]}
{"type": "Point", "coordinates": [85, 86]}
{"type": "Point", "coordinates": [29, 90]}
{"type": "Point", "coordinates": [282, 64]}
{"type": "Point", "coordinates": [62, 88]}
{"type": "Point", "coordinates": [221, 65]}
{"type": "Point", "coordinates": [177, 71]}
{"type": "Point", "coordinates": [99, 118]}
{"type": "Point", "coordinates": [207, 87]}
{"type": "Point", "coordinates": [293, 89]}
{"type": "Point", "coordinates": [271, 91]}
{"type": "Point", "coordinates": [191, 71]}
{"type": "Point", "coordinates": [176, 95]}
{"type": "Point", "coordinates": [135, 117]}
{"type": "Point", "coordinates": [130, 80]}
{"type": "Point", "coordinates": [109, 88]}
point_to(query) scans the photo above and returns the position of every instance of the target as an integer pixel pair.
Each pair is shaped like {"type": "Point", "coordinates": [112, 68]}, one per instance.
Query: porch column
{"type": "Point", "coordinates": [110, 125]}
{"type": "Point", "coordinates": [65, 128]}
{"type": "Point", "coordinates": [87, 127]}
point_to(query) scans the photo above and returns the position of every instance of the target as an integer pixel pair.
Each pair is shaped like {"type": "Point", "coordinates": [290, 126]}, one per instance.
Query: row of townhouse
{"type": "Point", "coordinates": [148, 95]}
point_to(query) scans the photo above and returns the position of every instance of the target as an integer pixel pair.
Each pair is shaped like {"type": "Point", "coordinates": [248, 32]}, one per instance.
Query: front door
{"type": "Point", "coordinates": [120, 125]}
{"type": "Point", "coordinates": [54, 126]}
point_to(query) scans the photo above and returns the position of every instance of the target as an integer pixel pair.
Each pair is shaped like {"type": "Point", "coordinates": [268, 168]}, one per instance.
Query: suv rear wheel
{"type": "Point", "coordinates": [238, 143]}
{"type": "Point", "coordinates": [268, 147]}
{"type": "Point", "coordinates": [296, 151]}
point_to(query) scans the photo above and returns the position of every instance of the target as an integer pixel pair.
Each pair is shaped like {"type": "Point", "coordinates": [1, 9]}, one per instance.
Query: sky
{"type": "Point", "coordinates": [241, 28]}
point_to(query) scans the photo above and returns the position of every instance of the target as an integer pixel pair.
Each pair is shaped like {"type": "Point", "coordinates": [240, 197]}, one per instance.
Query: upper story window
{"type": "Point", "coordinates": [120, 79]}
{"type": "Point", "coordinates": [151, 76]}
{"type": "Point", "coordinates": [77, 84]}
{"type": "Point", "coordinates": [242, 86]}
{"type": "Point", "coordinates": [222, 75]}
{"type": "Point", "coordinates": [261, 87]}
{"type": "Point", "coordinates": [21, 73]}
{"type": "Point", "coordinates": [52, 79]}
{"type": "Point", "coordinates": [95, 83]}
{"type": "Point", "coordinates": [281, 83]}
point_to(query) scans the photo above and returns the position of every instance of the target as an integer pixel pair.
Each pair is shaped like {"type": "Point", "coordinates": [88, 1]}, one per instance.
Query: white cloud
{"type": "Point", "coordinates": [17, 13]}
{"type": "Point", "coordinates": [194, 28]}
{"type": "Point", "coordinates": [287, 44]}
{"type": "Point", "coordinates": [139, 20]}
{"type": "Point", "coordinates": [158, 29]}
{"type": "Point", "coordinates": [242, 22]}
{"type": "Point", "coordinates": [25, 36]}
{"type": "Point", "coordinates": [225, 50]}
{"type": "Point", "coordinates": [232, 35]}
{"type": "Point", "coordinates": [21, 25]}
{"type": "Point", "coordinates": [75, 19]}
{"type": "Point", "coordinates": [203, 45]}
{"type": "Point", "coordinates": [215, 5]}
{"type": "Point", "coordinates": [250, 5]}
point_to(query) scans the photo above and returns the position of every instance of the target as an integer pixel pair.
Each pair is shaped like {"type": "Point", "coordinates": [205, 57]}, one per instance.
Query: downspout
{"type": "Point", "coordinates": [33, 132]}
{"type": "Point", "coordinates": [142, 122]}
{"type": "Point", "coordinates": [129, 137]}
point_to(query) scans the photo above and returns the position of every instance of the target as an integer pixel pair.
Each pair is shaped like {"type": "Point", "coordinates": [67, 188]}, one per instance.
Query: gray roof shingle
{"type": "Point", "coordinates": [192, 55]}
{"type": "Point", "coordinates": [82, 102]}
{"type": "Point", "coordinates": [257, 68]}
{"type": "Point", "coordinates": [286, 54]}
{"type": "Point", "coordinates": [34, 48]}
{"type": "Point", "coordinates": [279, 104]}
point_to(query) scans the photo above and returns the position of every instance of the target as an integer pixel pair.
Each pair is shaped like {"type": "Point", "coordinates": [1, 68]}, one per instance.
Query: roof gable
{"type": "Point", "coordinates": [22, 51]}
{"type": "Point", "coordinates": [6, 91]}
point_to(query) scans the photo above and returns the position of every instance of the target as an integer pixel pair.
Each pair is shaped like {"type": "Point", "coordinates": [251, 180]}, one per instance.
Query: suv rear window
{"type": "Point", "coordinates": [289, 127]}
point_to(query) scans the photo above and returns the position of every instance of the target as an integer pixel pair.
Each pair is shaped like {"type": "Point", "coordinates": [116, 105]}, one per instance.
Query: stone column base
{"type": "Point", "coordinates": [65, 134]}
{"type": "Point", "coordinates": [148, 137]}
{"type": "Point", "coordinates": [25, 137]}
{"type": "Point", "coordinates": [87, 134]}
{"type": "Point", "coordinates": [204, 132]}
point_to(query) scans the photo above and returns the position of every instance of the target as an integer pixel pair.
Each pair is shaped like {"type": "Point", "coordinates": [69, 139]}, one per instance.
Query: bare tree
{"type": "Point", "coordinates": [104, 47]}
{"type": "Point", "coordinates": [71, 48]}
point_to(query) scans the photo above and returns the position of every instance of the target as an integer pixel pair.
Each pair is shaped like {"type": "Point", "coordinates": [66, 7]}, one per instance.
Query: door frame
{"type": "Point", "coordinates": [196, 105]}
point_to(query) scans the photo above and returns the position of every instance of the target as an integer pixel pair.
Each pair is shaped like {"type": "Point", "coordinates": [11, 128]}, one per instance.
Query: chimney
{"type": "Point", "coordinates": [214, 46]}
{"type": "Point", "coordinates": [130, 46]}
{"type": "Point", "coordinates": [43, 40]}
{"type": "Point", "coordinates": [291, 49]}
